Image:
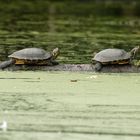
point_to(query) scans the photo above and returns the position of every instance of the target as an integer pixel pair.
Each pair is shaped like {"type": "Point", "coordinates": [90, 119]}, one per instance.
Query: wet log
{"type": "Point", "coordinates": [77, 67]}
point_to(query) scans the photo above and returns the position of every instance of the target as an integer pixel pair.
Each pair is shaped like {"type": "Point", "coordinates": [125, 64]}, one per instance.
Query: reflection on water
{"type": "Point", "coordinates": [77, 28]}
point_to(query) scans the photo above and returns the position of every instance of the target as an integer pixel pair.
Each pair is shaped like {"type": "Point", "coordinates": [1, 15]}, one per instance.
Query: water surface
{"type": "Point", "coordinates": [79, 29]}
{"type": "Point", "coordinates": [62, 103]}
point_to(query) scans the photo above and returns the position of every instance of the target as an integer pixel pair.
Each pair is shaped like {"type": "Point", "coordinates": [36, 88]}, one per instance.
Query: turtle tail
{"type": "Point", "coordinates": [6, 63]}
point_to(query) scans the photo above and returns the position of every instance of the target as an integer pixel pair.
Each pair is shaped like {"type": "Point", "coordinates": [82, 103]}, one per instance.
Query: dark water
{"type": "Point", "coordinates": [78, 28]}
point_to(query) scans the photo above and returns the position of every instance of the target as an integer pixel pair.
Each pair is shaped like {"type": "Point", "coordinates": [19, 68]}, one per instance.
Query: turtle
{"type": "Point", "coordinates": [113, 56]}
{"type": "Point", "coordinates": [32, 56]}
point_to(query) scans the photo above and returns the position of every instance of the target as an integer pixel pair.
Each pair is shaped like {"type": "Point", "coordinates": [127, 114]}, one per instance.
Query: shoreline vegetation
{"type": "Point", "coordinates": [76, 7]}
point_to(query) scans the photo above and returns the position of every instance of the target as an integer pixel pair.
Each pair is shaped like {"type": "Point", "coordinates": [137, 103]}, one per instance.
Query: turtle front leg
{"type": "Point", "coordinates": [51, 63]}
{"type": "Point", "coordinates": [54, 62]}
{"type": "Point", "coordinates": [98, 66]}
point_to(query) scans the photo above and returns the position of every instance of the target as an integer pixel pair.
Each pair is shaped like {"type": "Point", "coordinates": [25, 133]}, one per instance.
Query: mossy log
{"type": "Point", "coordinates": [77, 67]}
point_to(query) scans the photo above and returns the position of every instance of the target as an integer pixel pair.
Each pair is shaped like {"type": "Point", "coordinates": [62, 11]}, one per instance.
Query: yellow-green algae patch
{"type": "Point", "coordinates": [35, 103]}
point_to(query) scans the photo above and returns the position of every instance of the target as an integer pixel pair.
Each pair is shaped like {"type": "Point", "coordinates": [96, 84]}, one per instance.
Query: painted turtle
{"type": "Point", "coordinates": [113, 56]}
{"type": "Point", "coordinates": [32, 56]}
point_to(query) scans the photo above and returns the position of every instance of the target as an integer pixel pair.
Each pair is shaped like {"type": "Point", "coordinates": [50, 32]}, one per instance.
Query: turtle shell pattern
{"type": "Point", "coordinates": [31, 54]}
{"type": "Point", "coordinates": [112, 55]}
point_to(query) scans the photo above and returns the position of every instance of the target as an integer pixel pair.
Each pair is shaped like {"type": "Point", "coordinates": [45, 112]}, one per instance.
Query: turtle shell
{"type": "Point", "coordinates": [110, 55]}
{"type": "Point", "coordinates": [31, 54]}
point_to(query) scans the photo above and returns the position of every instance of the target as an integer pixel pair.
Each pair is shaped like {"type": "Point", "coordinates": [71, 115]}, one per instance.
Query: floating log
{"type": "Point", "coordinates": [77, 67]}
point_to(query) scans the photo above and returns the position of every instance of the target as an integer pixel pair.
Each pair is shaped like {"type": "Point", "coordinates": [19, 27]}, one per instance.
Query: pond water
{"type": "Point", "coordinates": [78, 28]}
{"type": "Point", "coordinates": [33, 103]}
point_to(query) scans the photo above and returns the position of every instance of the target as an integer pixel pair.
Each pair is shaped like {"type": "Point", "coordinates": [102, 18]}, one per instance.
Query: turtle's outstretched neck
{"type": "Point", "coordinates": [134, 51]}
{"type": "Point", "coordinates": [6, 63]}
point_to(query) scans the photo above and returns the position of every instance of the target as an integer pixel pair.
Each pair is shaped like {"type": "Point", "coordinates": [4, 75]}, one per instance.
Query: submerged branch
{"type": "Point", "coordinates": [78, 67]}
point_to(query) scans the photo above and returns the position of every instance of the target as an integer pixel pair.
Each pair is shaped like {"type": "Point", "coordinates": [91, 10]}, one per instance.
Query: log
{"type": "Point", "coordinates": [77, 67]}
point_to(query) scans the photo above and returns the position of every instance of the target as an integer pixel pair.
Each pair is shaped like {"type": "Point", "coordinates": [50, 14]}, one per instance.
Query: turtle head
{"type": "Point", "coordinates": [134, 51]}
{"type": "Point", "coordinates": [55, 53]}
